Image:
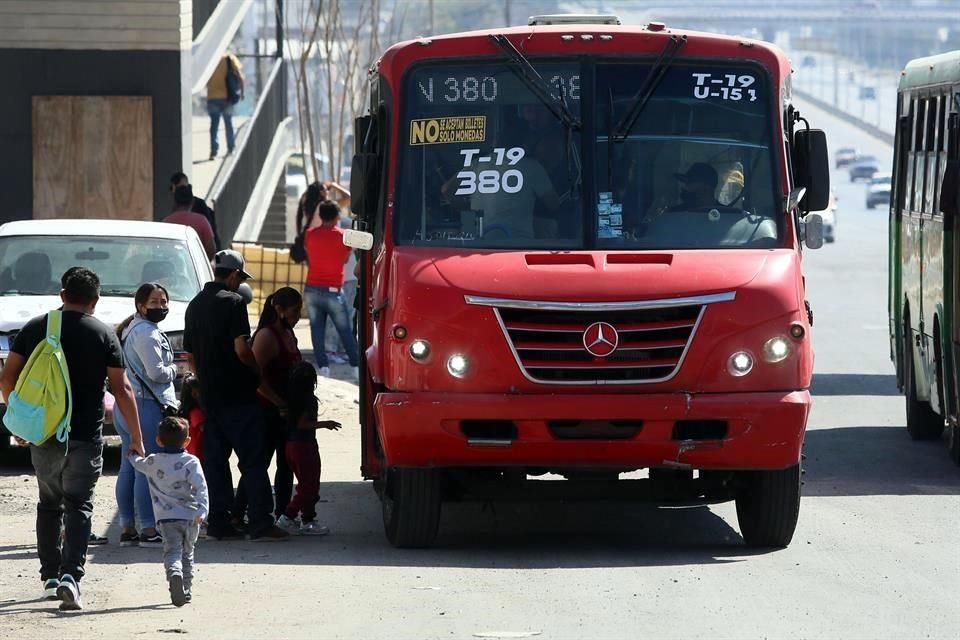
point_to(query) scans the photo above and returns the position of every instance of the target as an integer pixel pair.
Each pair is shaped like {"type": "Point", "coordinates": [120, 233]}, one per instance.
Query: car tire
{"type": "Point", "coordinates": [768, 506]}
{"type": "Point", "coordinates": [410, 503]}
{"type": "Point", "coordinates": [953, 443]}
{"type": "Point", "coordinates": [923, 423]}
{"type": "Point", "coordinates": [870, 205]}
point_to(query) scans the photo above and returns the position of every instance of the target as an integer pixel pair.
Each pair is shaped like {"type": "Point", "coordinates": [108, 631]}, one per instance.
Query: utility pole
{"type": "Point", "coordinates": [506, 13]}
{"type": "Point", "coordinates": [430, 21]}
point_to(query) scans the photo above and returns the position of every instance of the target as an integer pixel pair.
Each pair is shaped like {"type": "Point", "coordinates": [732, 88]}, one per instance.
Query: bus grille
{"type": "Point", "coordinates": [551, 345]}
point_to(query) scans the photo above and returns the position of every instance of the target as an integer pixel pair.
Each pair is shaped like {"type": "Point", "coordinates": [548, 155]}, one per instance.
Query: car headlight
{"type": "Point", "coordinates": [776, 349]}
{"type": "Point", "coordinates": [458, 366]}
{"type": "Point", "coordinates": [740, 364]}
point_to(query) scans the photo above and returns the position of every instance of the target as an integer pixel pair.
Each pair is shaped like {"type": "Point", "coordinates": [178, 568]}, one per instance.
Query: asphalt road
{"type": "Point", "coordinates": [875, 554]}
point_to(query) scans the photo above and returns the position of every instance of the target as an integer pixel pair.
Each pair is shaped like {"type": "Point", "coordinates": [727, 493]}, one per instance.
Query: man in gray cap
{"type": "Point", "coordinates": [216, 337]}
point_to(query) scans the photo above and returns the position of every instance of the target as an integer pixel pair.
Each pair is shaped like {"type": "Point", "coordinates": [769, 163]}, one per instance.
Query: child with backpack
{"type": "Point", "coordinates": [180, 503]}
{"type": "Point", "coordinates": [303, 453]}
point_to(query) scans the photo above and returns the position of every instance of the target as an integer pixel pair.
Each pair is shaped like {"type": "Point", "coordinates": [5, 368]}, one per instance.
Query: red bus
{"type": "Point", "coordinates": [585, 261]}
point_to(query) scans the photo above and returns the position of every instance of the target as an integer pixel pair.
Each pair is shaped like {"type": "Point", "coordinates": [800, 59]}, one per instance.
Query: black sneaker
{"type": "Point", "coordinates": [151, 542]}
{"type": "Point", "coordinates": [129, 539]}
{"type": "Point", "coordinates": [96, 541]}
{"type": "Point", "coordinates": [177, 595]}
{"type": "Point", "coordinates": [225, 533]}
{"type": "Point", "coordinates": [273, 534]}
{"type": "Point", "coordinates": [69, 594]}
{"type": "Point", "coordinates": [188, 596]}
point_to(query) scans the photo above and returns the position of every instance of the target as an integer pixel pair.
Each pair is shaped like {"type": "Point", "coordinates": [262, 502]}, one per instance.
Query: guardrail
{"type": "Point", "coordinates": [866, 127]}
{"type": "Point", "coordinates": [231, 192]}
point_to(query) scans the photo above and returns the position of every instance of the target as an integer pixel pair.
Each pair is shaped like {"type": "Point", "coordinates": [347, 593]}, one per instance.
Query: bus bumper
{"type": "Point", "coordinates": [758, 430]}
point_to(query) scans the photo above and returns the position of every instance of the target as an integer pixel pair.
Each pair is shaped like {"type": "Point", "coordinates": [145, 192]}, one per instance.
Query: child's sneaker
{"type": "Point", "coordinates": [177, 595]}
{"type": "Point", "coordinates": [324, 372]}
{"type": "Point", "coordinates": [313, 528]}
{"type": "Point", "coordinates": [69, 594]}
{"type": "Point", "coordinates": [289, 525]}
{"type": "Point", "coordinates": [50, 589]}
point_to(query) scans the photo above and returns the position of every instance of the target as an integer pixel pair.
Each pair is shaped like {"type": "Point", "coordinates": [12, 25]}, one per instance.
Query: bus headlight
{"type": "Point", "coordinates": [740, 364]}
{"type": "Point", "coordinates": [458, 365]}
{"type": "Point", "coordinates": [420, 350]}
{"type": "Point", "coordinates": [776, 349]}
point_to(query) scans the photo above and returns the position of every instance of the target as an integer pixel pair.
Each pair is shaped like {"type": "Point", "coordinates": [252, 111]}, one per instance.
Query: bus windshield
{"type": "Point", "coordinates": [486, 164]}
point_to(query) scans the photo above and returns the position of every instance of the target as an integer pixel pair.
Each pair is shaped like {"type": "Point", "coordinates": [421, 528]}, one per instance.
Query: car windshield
{"type": "Point", "coordinates": [32, 265]}
{"type": "Point", "coordinates": [486, 164]}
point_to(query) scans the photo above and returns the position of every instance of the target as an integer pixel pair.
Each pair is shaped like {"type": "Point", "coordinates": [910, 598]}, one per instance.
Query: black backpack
{"type": "Point", "coordinates": [234, 82]}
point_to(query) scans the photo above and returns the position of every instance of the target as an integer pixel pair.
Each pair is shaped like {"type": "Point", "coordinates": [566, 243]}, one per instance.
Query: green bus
{"type": "Point", "coordinates": [924, 251]}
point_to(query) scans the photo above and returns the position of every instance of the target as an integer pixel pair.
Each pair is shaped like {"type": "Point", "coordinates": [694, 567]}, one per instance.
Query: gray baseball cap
{"type": "Point", "coordinates": [229, 259]}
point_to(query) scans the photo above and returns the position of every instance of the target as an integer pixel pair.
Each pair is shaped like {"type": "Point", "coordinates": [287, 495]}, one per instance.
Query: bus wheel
{"type": "Point", "coordinates": [768, 505]}
{"type": "Point", "coordinates": [923, 423]}
{"type": "Point", "coordinates": [410, 503]}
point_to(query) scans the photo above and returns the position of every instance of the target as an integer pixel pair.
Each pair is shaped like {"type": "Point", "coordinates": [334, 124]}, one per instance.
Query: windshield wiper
{"type": "Point", "coordinates": [127, 293]}
{"type": "Point", "coordinates": [535, 82]}
{"type": "Point", "coordinates": [25, 292]}
{"type": "Point", "coordinates": [646, 91]}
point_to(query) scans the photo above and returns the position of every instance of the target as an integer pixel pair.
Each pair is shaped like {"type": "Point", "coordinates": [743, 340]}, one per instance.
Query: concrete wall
{"type": "Point", "coordinates": [113, 48]}
{"type": "Point", "coordinates": [96, 24]}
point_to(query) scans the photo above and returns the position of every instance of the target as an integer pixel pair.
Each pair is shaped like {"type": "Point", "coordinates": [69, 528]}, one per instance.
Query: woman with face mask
{"type": "Point", "coordinates": [275, 347]}
{"type": "Point", "coordinates": [148, 358]}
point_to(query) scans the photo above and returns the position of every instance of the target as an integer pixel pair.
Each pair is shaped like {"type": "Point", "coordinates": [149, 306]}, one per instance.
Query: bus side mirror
{"type": "Point", "coordinates": [365, 169]}
{"type": "Point", "coordinates": [950, 193]}
{"type": "Point", "coordinates": [813, 231]}
{"type": "Point", "coordinates": [356, 239]}
{"type": "Point", "coordinates": [811, 164]}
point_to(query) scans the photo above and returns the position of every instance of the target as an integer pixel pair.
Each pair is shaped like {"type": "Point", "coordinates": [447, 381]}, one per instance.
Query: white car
{"type": "Point", "coordinates": [123, 253]}
{"type": "Point", "coordinates": [829, 216]}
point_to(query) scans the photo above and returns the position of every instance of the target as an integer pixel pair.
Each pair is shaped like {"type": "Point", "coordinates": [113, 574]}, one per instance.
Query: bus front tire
{"type": "Point", "coordinates": [923, 423]}
{"type": "Point", "coordinates": [768, 506]}
{"type": "Point", "coordinates": [410, 503]}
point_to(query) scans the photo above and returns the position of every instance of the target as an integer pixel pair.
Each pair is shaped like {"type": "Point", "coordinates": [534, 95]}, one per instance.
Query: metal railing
{"type": "Point", "coordinates": [202, 10]}
{"type": "Point", "coordinates": [231, 192]}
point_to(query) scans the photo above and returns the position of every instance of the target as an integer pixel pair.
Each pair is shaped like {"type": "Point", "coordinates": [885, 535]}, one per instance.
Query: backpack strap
{"type": "Point", "coordinates": [54, 326]}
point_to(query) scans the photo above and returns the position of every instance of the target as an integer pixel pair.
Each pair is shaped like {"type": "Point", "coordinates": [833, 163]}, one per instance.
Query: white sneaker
{"type": "Point", "coordinates": [312, 528]}
{"type": "Point", "coordinates": [290, 526]}
{"type": "Point", "coordinates": [325, 372]}
{"type": "Point", "coordinates": [356, 374]}
{"type": "Point", "coordinates": [50, 589]}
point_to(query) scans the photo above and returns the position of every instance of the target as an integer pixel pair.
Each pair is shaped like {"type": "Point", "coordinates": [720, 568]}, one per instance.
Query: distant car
{"type": "Point", "coordinates": [809, 61]}
{"type": "Point", "coordinates": [829, 216]}
{"type": "Point", "coordinates": [863, 167]}
{"type": "Point", "coordinates": [844, 156]}
{"type": "Point", "coordinates": [878, 191]}
{"type": "Point", "coordinates": [124, 253]}
{"type": "Point", "coordinates": [300, 173]}
{"type": "Point", "coordinates": [868, 93]}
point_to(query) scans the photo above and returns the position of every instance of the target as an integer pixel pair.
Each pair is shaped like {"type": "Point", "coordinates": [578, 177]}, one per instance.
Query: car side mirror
{"type": "Point", "coordinates": [813, 231]}
{"type": "Point", "coordinates": [811, 164]}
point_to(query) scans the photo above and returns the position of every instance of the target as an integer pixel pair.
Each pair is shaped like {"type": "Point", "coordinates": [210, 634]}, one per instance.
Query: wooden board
{"type": "Point", "coordinates": [93, 157]}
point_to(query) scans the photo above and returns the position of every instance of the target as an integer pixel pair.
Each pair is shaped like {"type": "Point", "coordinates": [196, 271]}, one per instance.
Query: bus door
{"type": "Point", "coordinates": [952, 227]}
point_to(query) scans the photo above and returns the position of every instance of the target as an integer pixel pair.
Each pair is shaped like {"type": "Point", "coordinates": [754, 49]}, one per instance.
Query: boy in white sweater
{"type": "Point", "coordinates": [180, 503]}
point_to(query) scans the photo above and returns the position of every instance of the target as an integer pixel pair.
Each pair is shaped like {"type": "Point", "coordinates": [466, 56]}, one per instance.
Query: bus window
{"type": "Point", "coordinates": [930, 145]}
{"type": "Point", "coordinates": [919, 169]}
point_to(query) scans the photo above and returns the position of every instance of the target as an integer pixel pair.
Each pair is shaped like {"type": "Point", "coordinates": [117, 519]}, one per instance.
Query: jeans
{"type": "Point", "coordinates": [238, 427]}
{"type": "Point", "coordinates": [218, 108]}
{"type": "Point", "coordinates": [133, 489]}
{"type": "Point", "coordinates": [349, 297]}
{"type": "Point", "coordinates": [67, 478]}
{"type": "Point", "coordinates": [275, 443]}
{"type": "Point", "coordinates": [323, 304]}
{"type": "Point", "coordinates": [179, 541]}
{"type": "Point", "coordinates": [304, 457]}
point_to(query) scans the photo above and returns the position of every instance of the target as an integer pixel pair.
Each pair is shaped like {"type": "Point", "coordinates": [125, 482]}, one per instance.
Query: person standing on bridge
{"type": "Point", "coordinates": [225, 88]}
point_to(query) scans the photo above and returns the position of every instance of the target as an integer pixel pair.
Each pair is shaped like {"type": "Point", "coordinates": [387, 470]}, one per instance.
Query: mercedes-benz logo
{"type": "Point", "coordinates": [601, 339]}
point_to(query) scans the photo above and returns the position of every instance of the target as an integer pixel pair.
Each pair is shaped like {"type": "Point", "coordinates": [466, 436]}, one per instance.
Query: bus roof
{"type": "Point", "coordinates": [932, 70]}
{"type": "Point", "coordinates": [601, 40]}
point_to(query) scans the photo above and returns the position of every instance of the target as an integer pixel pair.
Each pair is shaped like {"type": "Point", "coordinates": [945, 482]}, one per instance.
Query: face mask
{"type": "Point", "coordinates": [156, 315]}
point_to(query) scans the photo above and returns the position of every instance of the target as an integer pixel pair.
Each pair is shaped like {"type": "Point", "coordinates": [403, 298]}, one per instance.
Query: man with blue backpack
{"type": "Point", "coordinates": [54, 384]}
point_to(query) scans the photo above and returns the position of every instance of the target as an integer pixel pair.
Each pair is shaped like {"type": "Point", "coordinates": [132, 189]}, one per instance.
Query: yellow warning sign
{"type": "Point", "coordinates": [448, 130]}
